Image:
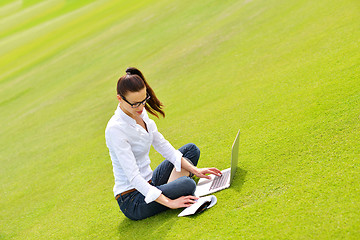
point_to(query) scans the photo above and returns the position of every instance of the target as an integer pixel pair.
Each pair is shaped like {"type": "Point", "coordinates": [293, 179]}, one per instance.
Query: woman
{"type": "Point", "coordinates": [141, 192]}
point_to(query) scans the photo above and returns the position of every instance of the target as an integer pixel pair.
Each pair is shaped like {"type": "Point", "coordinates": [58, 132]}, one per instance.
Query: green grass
{"type": "Point", "coordinates": [284, 72]}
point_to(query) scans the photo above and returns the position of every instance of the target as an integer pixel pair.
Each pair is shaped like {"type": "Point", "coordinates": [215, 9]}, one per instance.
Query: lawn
{"type": "Point", "coordinates": [286, 73]}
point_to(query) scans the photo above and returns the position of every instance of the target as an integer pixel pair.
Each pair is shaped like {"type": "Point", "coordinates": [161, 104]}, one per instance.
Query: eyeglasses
{"type": "Point", "coordinates": [135, 105]}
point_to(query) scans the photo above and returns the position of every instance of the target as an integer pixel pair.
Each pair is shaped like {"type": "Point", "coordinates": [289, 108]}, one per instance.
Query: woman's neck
{"type": "Point", "coordinates": [137, 118]}
{"type": "Point", "coordinates": [127, 113]}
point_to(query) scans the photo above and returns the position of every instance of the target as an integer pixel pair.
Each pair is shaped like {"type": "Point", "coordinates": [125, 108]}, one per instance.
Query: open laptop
{"type": "Point", "coordinates": [207, 186]}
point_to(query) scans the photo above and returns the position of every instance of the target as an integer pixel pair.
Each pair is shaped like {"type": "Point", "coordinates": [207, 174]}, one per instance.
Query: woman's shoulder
{"type": "Point", "coordinates": [115, 125]}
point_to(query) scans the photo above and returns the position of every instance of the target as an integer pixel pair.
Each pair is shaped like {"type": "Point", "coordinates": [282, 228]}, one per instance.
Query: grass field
{"type": "Point", "coordinates": [284, 72]}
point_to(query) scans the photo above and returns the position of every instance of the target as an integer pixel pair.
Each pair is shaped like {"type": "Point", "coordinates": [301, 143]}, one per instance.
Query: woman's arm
{"type": "Point", "coordinates": [163, 147]}
{"type": "Point", "coordinates": [199, 172]}
{"type": "Point", "coordinates": [187, 167]}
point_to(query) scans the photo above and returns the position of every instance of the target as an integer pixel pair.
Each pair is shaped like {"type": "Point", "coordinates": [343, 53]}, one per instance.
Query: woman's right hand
{"type": "Point", "coordinates": [184, 201]}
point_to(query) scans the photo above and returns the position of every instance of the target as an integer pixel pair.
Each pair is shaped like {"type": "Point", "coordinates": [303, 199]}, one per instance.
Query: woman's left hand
{"type": "Point", "coordinates": [201, 172]}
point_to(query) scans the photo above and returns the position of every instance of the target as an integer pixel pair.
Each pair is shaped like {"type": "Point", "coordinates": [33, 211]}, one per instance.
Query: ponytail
{"type": "Point", "coordinates": [134, 81]}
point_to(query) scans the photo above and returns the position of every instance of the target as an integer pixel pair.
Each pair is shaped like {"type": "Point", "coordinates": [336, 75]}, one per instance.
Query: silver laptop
{"type": "Point", "coordinates": [207, 186]}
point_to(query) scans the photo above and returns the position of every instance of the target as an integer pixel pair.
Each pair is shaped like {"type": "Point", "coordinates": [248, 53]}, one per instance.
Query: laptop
{"type": "Point", "coordinates": [216, 183]}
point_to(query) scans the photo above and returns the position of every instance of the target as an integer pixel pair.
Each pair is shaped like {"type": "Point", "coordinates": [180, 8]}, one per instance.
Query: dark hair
{"type": "Point", "coordinates": [134, 81]}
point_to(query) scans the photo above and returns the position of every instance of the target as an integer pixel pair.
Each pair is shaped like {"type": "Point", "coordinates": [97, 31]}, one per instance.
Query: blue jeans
{"type": "Point", "coordinates": [133, 204]}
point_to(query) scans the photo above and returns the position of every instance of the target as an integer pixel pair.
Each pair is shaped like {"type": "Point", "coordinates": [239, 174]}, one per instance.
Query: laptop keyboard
{"type": "Point", "coordinates": [220, 181]}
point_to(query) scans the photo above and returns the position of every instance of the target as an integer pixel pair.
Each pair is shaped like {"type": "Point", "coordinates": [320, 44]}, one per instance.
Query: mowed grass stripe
{"type": "Point", "coordinates": [53, 36]}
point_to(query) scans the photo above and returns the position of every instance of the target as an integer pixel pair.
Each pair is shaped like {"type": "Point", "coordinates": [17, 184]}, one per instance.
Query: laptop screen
{"type": "Point", "coordinates": [234, 156]}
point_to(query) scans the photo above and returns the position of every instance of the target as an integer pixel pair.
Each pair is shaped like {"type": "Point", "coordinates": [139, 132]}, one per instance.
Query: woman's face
{"type": "Point", "coordinates": [133, 98]}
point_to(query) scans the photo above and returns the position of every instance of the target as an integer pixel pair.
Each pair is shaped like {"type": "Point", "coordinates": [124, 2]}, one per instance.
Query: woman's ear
{"type": "Point", "coordinates": [119, 98]}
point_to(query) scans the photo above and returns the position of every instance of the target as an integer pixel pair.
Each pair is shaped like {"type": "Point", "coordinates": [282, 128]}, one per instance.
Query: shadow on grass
{"type": "Point", "coordinates": [162, 223]}
{"type": "Point", "coordinates": [158, 225]}
{"type": "Point", "coordinates": [239, 179]}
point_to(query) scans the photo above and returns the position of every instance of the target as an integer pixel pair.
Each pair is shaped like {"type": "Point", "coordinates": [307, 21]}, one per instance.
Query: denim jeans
{"type": "Point", "coordinates": [133, 204]}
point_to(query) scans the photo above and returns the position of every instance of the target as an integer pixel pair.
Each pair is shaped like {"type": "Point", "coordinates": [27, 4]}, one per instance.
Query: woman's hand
{"type": "Point", "coordinates": [201, 172]}
{"type": "Point", "coordinates": [184, 201]}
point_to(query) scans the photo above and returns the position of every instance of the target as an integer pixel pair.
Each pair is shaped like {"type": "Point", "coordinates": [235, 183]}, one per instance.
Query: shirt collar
{"type": "Point", "coordinates": [119, 112]}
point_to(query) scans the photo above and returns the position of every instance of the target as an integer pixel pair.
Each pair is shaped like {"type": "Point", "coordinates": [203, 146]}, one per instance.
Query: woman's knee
{"type": "Point", "coordinates": [194, 148]}
{"type": "Point", "coordinates": [191, 152]}
{"type": "Point", "coordinates": [188, 186]}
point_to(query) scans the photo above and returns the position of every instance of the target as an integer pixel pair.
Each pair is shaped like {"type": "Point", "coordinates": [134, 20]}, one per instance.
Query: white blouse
{"type": "Point", "coordinates": [129, 146]}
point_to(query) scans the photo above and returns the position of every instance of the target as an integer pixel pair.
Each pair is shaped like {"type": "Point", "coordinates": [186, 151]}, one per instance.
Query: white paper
{"type": "Point", "coordinates": [192, 209]}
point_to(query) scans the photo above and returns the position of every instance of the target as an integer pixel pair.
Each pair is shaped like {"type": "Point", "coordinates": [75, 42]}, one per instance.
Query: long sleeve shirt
{"type": "Point", "coordinates": [129, 145]}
